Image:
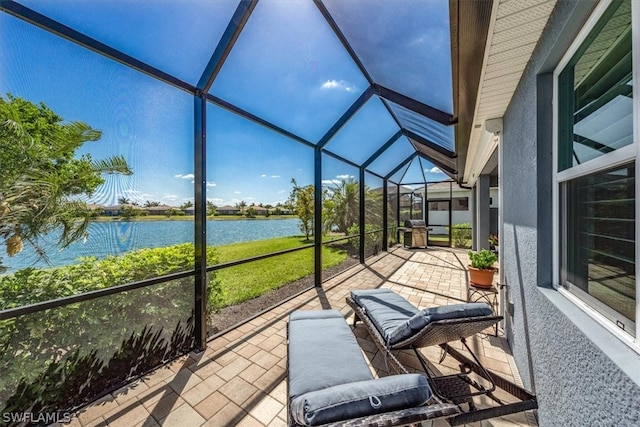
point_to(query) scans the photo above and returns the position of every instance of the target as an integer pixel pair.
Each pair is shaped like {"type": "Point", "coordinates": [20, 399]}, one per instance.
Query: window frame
{"type": "Point", "coordinates": [619, 157]}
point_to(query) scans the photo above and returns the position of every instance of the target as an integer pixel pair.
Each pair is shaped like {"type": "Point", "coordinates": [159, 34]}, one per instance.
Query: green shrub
{"type": "Point", "coordinates": [31, 343]}
{"type": "Point", "coordinates": [372, 241]}
{"type": "Point", "coordinates": [31, 285]}
{"type": "Point", "coordinates": [461, 235]}
{"type": "Point", "coordinates": [483, 259]}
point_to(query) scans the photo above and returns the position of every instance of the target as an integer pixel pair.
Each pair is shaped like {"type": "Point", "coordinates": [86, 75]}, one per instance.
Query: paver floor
{"type": "Point", "coordinates": [240, 380]}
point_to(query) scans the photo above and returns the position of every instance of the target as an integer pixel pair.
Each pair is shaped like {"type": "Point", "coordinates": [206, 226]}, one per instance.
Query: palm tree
{"type": "Point", "coordinates": [37, 204]}
{"type": "Point", "coordinates": [211, 208]}
{"type": "Point", "coordinates": [41, 180]}
{"type": "Point", "coordinates": [346, 204]}
{"type": "Point", "coordinates": [242, 205]}
{"type": "Point", "coordinates": [342, 208]}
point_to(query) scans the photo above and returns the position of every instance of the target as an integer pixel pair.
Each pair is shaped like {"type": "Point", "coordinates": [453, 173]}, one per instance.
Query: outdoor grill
{"type": "Point", "coordinates": [415, 233]}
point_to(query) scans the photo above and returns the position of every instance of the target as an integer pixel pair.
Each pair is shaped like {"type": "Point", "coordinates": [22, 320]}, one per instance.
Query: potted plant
{"type": "Point", "coordinates": [481, 269]}
{"type": "Point", "coordinates": [493, 241]}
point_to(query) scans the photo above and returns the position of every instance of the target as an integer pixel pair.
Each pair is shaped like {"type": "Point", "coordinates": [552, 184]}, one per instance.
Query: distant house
{"type": "Point", "coordinates": [116, 210]}
{"type": "Point", "coordinates": [259, 210]}
{"type": "Point", "coordinates": [228, 210]}
{"type": "Point", "coordinates": [446, 196]}
{"type": "Point", "coordinates": [159, 210]}
{"type": "Point", "coordinates": [189, 211]}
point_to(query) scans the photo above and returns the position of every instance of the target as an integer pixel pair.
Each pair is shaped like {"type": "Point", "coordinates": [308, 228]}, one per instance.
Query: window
{"type": "Point", "coordinates": [460, 203]}
{"type": "Point", "coordinates": [598, 254]}
{"type": "Point", "coordinates": [595, 177]}
{"type": "Point", "coordinates": [440, 205]}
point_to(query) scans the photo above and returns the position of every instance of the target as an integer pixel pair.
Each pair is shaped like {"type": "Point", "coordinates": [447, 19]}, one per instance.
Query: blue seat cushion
{"type": "Point", "coordinates": [322, 352]}
{"type": "Point", "coordinates": [433, 314]}
{"type": "Point", "coordinates": [359, 399]}
{"type": "Point", "coordinates": [386, 309]}
{"type": "Point", "coordinates": [397, 319]}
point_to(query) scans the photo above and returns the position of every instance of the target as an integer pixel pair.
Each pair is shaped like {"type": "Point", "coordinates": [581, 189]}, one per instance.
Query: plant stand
{"type": "Point", "coordinates": [488, 295]}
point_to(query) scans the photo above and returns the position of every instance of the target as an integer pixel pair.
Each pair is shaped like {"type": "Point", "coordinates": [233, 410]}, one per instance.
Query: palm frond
{"type": "Point", "coordinates": [82, 131]}
{"type": "Point", "coordinates": [112, 165]}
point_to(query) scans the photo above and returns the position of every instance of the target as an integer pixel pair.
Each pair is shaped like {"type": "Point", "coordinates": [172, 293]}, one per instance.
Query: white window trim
{"type": "Point", "coordinates": [618, 157]}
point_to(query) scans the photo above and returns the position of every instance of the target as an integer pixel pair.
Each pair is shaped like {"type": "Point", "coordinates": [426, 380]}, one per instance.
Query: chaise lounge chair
{"type": "Point", "coordinates": [395, 324]}
{"type": "Point", "coordinates": [329, 382]}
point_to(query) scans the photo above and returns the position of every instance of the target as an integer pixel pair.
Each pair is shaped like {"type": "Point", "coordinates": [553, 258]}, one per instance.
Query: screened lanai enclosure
{"type": "Point", "coordinates": [131, 131]}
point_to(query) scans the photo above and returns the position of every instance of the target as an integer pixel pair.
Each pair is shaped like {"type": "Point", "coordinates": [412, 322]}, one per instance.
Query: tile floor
{"type": "Point", "coordinates": [240, 380]}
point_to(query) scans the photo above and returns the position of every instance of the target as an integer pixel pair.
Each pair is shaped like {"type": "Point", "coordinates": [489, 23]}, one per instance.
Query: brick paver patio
{"type": "Point", "coordinates": [240, 380]}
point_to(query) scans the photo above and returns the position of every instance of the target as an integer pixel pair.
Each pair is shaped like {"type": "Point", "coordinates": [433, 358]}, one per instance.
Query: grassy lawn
{"type": "Point", "coordinates": [251, 280]}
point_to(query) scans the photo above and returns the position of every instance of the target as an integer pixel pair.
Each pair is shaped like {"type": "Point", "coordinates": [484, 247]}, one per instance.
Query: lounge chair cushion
{"type": "Point", "coordinates": [397, 319]}
{"type": "Point", "coordinates": [433, 314]}
{"type": "Point", "coordinates": [360, 399]}
{"type": "Point", "coordinates": [386, 309]}
{"type": "Point", "coordinates": [322, 352]}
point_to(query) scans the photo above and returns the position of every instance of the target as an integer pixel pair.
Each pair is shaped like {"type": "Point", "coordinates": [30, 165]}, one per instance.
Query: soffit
{"type": "Point", "coordinates": [516, 27]}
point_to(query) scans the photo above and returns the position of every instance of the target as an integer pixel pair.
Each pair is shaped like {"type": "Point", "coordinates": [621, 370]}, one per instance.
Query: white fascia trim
{"type": "Point", "coordinates": [475, 140]}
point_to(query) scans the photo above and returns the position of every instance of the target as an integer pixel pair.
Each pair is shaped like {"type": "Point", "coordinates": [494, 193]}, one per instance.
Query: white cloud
{"type": "Point", "coordinates": [337, 84]}
{"type": "Point", "coordinates": [435, 169]}
{"type": "Point", "coordinates": [330, 84]}
{"type": "Point", "coordinates": [170, 197]}
{"type": "Point", "coordinates": [330, 182]}
{"type": "Point", "coordinates": [214, 199]}
{"type": "Point", "coordinates": [282, 191]}
{"type": "Point", "coordinates": [264, 175]}
{"type": "Point", "coordinates": [346, 176]}
{"type": "Point", "coordinates": [275, 176]}
{"type": "Point", "coordinates": [237, 192]}
{"type": "Point", "coordinates": [211, 184]}
{"type": "Point", "coordinates": [186, 176]}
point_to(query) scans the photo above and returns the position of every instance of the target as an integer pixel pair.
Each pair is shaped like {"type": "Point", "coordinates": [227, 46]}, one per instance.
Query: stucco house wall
{"type": "Point", "coordinates": [582, 375]}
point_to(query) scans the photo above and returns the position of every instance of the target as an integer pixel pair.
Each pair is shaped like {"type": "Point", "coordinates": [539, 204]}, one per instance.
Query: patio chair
{"type": "Point", "coordinates": [396, 324]}
{"type": "Point", "coordinates": [329, 382]}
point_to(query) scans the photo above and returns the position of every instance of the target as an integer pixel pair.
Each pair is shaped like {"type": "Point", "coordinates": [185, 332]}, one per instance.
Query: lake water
{"type": "Point", "coordinates": [117, 237]}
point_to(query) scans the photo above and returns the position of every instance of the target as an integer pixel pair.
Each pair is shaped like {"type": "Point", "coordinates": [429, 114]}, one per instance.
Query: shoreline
{"type": "Point", "coordinates": [190, 218]}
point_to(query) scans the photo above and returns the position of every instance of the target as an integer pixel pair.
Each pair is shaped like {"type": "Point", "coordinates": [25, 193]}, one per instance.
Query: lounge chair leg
{"type": "Point", "coordinates": [443, 353]}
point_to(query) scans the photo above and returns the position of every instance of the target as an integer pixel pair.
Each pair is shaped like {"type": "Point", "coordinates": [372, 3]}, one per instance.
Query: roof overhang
{"type": "Point", "coordinates": [512, 33]}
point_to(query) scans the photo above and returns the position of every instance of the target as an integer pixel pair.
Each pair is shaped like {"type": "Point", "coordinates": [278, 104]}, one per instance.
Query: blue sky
{"type": "Point", "coordinates": [286, 67]}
